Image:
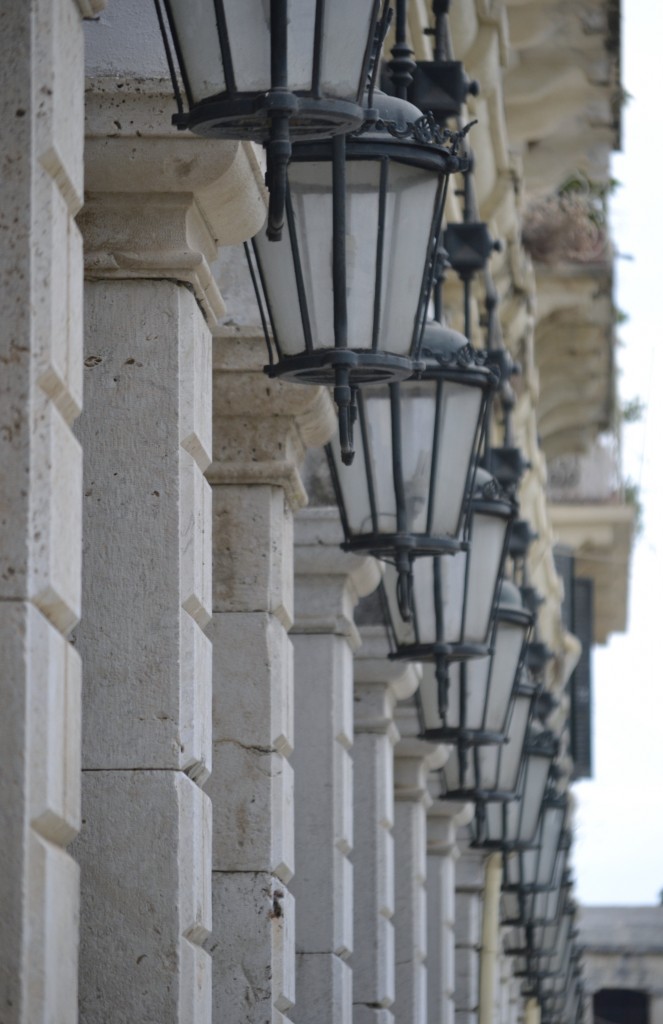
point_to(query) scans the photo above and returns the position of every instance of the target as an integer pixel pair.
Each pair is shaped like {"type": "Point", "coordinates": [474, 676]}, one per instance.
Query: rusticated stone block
{"type": "Point", "coordinates": [145, 874]}
{"type": "Point", "coordinates": [253, 963]}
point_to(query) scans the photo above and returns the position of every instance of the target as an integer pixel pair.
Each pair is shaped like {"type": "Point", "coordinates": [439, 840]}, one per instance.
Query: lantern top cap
{"type": "Point", "coordinates": [510, 596]}
{"type": "Point", "coordinates": [392, 110]}
{"type": "Point", "coordinates": [487, 488]}
{"type": "Point", "coordinates": [440, 343]}
{"type": "Point", "coordinates": [391, 119]}
{"type": "Point", "coordinates": [445, 351]}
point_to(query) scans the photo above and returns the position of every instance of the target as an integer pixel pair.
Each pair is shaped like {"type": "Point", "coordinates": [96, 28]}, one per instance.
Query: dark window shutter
{"type": "Point", "coordinates": [581, 680]}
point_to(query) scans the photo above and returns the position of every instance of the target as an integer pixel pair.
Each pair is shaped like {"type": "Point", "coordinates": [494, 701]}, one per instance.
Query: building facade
{"type": "Point", "coordinates": [216, 800]}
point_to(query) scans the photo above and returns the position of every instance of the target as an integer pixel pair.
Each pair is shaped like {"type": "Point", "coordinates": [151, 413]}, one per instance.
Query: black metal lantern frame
{"type": "Point", "coordinates": [413, 639]}
{"type": "Point", "coordinates": [553, 970]}
{"type": "Point", "coordinates": [271, 73]}
{"type": "Point", "coordinates": [544, 937]}
{"type": "Point", "coordinates": [329, 294]}
{"type": "Point", "coordinates": [440, 85]}
{"type": "Point", "coordinates": [490, 682]}
{"type": "Point", "coordinates": [511, 826]}
{"type": "Point", "coordinates": [534, 916]}
{"type": "Point", "coordinates": [405, 495]}
{"type": "Point", "coordinates": [531, 869]}
{"type": "Point", "coordinates": [490, 772]}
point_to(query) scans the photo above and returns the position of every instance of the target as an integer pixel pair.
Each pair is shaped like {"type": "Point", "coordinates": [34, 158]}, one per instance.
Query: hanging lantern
{"type": "Point", "coordinates": [453, 599]}
{"type": "Point", "coordinates": [477, 702]}
{"type": "Point", "coordinates": [512, 825]}
{"type": "Point", "coordinates": [548, 907]}
{"type": "Point", "coordinates": [270, 72]}
{"type": "Point", "coordinates": [489, 772]}
{"type": "Point", "coordinates": [346, 289]}
{"type": "Point", "coordinates": [416, 446]}
{"type": "Point", "coordinates": [531, 869]}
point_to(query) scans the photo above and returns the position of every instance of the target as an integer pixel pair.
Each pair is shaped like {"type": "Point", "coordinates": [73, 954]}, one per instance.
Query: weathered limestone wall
{"type": "Point", "coordinates": [41, 156]}
{"type": "Point", "coordinates": [157, 207]}
{"type": "Point", "coordinates": [379, 684]}
{"type": "Point", "coordinates": [261, 432]}
{"type": "Point", "coordinates": [328, 584]}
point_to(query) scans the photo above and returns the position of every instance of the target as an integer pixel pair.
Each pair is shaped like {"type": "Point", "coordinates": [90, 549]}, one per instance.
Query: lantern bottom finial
{"type": "Point", "coordinates": [279, 151]}
{"type": "Point", "coordinates": [404, 585]}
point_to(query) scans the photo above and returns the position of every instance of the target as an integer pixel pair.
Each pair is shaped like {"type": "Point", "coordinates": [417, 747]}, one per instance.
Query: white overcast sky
{"type": "Point", "coordinates": [619, 826]}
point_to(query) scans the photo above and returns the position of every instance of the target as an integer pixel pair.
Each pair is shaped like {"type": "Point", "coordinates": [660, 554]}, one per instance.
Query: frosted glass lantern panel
{"type": "Point", "coordinates": [468, 683]}
{"type": "Point", "coordinates": [457, 427]}
{"type": "Point", "coordinates": [512, 871]}
{"type": "Point", "coordinates": [424, 598]}
{"type": "Point", "coordinates": [495, 821]}
{"type": "Point", "coordinates": [486, 549]}
{"type": "Point", "coordinates": [417, 409]}
{"type": "Point", "coordinates": [373, 456]}
{"type": "Point", "coordinates": [451, 777]}
{"type": "Point", "coordinates": [402, 270]}
{"type": "Point", "coordinates": [511, 907]}
{"type": "Point", "coordinates": [488, 760]}
{"type": "Point", "coordinates": [529, 860]}
{"type": "Point", "coordinates": [551, 828]}
{"type": "Point", "coordinates": [310, 189]}
{"type": "Point", "coordinates": [452, 577]}
{"type": "Point", "coordinates": [248, 28]}
{"type": "Point", "coordinates": [343, 50]}
{"type": "Point", "coordinates": [512, 812]}
{"type": "Point", "coordinates": [507, 647]}
{"type": "Point", "coordinates": [514, 938]}
{"type": "Point", "coordinates": [409, 211]}
{"type": "Point", "coordinates": [511, 753]}
{"type": "Point", "coordinates": [197, 32]}
{"type": "Point", "coordinates": [354, 487]}
{"type": "Point", "coordinates": [536, 776]}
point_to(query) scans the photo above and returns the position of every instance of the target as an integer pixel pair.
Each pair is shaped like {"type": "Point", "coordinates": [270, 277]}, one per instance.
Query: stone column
{"type": "Point", "coordinates": [444, 818]}
{"type": "Point", "coordinates": [261, 431]}
{"type": "Point", "coordinates": [328, 584]}
{"type": "Point", "coordinates": [41, 349]}
{"type": "Point", "coordinates": [469, 890]}
{"type": "Point", "coordinates": [379, 684]}
{"type": "Point", "coordinates": [155, 213]}
{"type": "Point", "coordinates": [414, 759]}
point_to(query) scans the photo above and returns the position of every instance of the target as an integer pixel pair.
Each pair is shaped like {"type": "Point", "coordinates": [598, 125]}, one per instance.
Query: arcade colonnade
{"type": "Point", "coordinates": [215, 804]}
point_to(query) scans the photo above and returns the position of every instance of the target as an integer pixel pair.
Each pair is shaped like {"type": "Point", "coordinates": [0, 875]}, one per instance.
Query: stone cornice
{"type": "Point", "coordinates": [329, 581]}
{"type": "Point", "coordinates": [414, 758]}
{"type": "Point", "coordinates": [91, 8]}
{"type": "Point", "coordinates": [159, 202]}
{"type": "Point", "coordinates": [262, 427]}
{"type": "Point", "coordinates": [445, 817]}
{"type": "Point", "coordinates": [601, 536]}
{"type": "Point", "coordinates": [380, 683]}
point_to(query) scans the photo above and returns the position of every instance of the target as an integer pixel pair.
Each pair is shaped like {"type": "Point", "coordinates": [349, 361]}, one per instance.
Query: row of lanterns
{"type": "Point", "coordinates": [345, 269]}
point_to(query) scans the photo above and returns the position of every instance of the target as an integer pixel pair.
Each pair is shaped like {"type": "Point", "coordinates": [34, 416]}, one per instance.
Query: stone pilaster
{"type": "Point", "coordinates": [328, 584]}
{"type": "Point", "coordinates": [444, 818]}
{"type": "Point", "coordinates": [470, 877]}
{"type": "Point", "coordinates": [261, 431]}
{"type": "Point", "coordinates": [379, 684]}
{"type": "Point", "coordinates": [41, 155]}
{"type": "Point", "coordinates": [153, 219]}
{"type": "Point", "coordinates": [414, 759]}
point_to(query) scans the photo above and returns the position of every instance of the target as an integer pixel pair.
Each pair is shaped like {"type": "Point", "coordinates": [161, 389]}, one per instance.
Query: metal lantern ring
{"type": "Point", "coordinates": [270, 72]}
{"type": "Point", "coordinates": [343, 295]}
